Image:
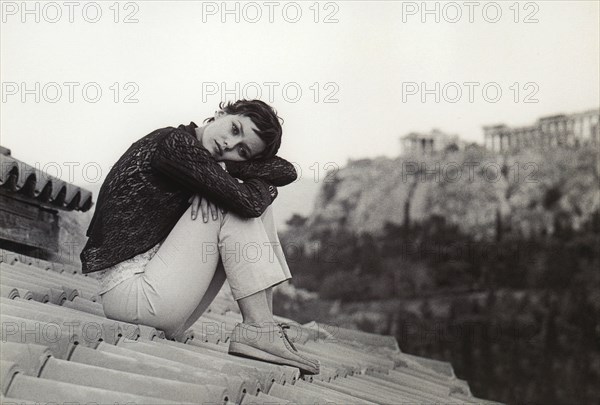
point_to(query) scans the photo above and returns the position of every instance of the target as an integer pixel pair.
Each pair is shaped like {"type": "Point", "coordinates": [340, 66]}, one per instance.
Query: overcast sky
{"type": "Point", "coordinates": [369, 61]}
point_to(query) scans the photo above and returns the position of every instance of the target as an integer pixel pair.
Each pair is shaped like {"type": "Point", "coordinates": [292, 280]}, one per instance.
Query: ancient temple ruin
{"type": "Point", "coordinates": [429, 143]}
{"type": "Point", "coordinates": [557, 130]}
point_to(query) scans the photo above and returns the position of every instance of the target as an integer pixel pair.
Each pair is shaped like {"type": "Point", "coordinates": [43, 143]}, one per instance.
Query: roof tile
{"type": "Point", "coordinates": [132, 383]}
{"type": "Point", "coordinates": [332, 393]}
{"type": "Point", "coordinates": [15, 330]}
{"type": "Point", "coordinates": [84, 305]}
{"type": "Point", "coordinates": [34, 184]}
{"type": "Point", "coordinates": [57, 297]}
{"type": "Point", "coordinates": [38, 293]}
{"type": "Point", "coordinates": [30, 357]}
{"type": "Point", "coordinates": [11, 292]}
{"type": "Point", "coordinates": [139, 365]}
{"type": "Point", "coordinates": [110, 330]}
{"type": "Point", "coordinates": [235, 385]}
{"type": "Point", "coordinates": [48, 391]}
{"type": "Point", "coordinates": [8, 371]}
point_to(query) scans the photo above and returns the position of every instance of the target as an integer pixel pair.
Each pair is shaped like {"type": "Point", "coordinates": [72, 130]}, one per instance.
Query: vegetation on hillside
{"type": "Point", "coordinates": [500, 278]}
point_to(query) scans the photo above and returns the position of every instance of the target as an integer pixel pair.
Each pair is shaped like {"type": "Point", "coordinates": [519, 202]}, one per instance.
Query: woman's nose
{"type": "Point", "coordinates": [228, 144]}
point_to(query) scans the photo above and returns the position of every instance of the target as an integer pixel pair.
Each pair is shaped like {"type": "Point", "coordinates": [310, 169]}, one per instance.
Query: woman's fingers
{"type": "Point", "coordinates": [213, 211]}
{"type": "Point", "coordinates": [195, 204]}
{"type": "Point", "coordinates": [204, 209]}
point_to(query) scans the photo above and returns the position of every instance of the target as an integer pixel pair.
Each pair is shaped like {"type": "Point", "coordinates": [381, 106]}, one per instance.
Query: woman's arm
{"type": "Point", "coordinates": [181, 157]}
{"type": "Point", "coordinates": [275, 170]}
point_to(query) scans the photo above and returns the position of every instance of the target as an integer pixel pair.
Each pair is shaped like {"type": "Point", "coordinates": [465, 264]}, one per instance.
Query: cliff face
{"type": "Point", "coordinates": [480, 191]}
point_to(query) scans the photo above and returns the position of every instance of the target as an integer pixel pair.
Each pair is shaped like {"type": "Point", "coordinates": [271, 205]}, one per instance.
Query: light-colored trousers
{"type": "Point", "coordinates": [190, 267]}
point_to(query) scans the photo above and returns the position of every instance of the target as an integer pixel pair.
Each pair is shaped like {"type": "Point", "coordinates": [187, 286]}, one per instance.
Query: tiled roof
{"type": "Point", "coordinates": [35, 185]}
{"type": "Point", "coordinates": [59, 347]}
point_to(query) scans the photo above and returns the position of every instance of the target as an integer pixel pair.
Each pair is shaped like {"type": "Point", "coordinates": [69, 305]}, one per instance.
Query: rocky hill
{"type": "Point", "coordinates": [482, 192]}
{"type": "Point", "coordinates": [296, 198]}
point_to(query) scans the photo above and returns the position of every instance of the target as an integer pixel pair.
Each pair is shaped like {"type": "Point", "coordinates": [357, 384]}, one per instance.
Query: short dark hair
{"type": "Point", "coordinates": [264, 117]}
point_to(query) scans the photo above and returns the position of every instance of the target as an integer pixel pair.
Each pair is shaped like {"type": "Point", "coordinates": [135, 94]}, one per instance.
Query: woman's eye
{"type": "Point", "coordinates": [234, 129]}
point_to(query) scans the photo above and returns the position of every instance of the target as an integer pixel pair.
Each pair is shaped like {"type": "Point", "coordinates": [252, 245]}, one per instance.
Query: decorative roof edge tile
{"type": "Point", "coordinates": [37, 186]}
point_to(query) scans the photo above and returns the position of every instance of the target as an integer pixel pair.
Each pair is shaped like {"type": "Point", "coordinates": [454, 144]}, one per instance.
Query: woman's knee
{"type": "Point", "coordinates": [235, 218]}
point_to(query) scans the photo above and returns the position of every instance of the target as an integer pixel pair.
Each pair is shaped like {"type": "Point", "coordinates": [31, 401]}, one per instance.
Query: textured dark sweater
{"type": "Point", "coordinates": [147, 191]}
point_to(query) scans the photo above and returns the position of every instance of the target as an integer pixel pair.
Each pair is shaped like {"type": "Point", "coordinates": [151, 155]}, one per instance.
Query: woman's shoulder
{"type": "Point", "coordinates": [155, 135]}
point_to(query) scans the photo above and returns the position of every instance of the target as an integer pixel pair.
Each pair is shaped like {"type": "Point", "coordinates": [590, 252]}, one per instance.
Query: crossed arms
{"type": "Point", "coordinates": [180, 157]}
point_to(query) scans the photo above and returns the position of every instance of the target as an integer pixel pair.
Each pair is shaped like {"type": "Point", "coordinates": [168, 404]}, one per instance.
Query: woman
{"type": "Point", "coordinates": [162, 268]}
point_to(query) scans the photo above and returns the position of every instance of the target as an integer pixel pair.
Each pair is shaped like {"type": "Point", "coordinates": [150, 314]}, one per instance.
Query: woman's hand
{"type": "Point", "coordinates": [205, 206]}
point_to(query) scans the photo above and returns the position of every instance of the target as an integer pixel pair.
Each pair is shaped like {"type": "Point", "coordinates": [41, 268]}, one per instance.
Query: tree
{"type": "Point", "coordinates": [296, 221]}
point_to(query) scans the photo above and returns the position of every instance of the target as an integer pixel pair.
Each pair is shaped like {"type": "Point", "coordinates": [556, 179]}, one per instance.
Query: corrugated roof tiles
{"type": "Point", "coordinates": [57, 346]}
{"type": "Point", "coordinates": [35, 185]}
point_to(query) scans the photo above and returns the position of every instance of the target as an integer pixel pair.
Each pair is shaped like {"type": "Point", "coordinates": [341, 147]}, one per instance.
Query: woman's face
{"type": "Point", "coordinates": [232, 137]}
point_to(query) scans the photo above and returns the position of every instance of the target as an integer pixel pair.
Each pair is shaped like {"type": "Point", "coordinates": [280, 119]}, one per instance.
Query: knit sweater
{"type": "Point", "coordinates": [148, 189]}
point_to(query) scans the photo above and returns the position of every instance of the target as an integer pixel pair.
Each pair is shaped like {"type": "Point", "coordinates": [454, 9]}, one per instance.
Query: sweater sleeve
{"type": "Point", "coordinates": [275, 170]}
{"type": "Point", "coordinates": [181, 157]}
